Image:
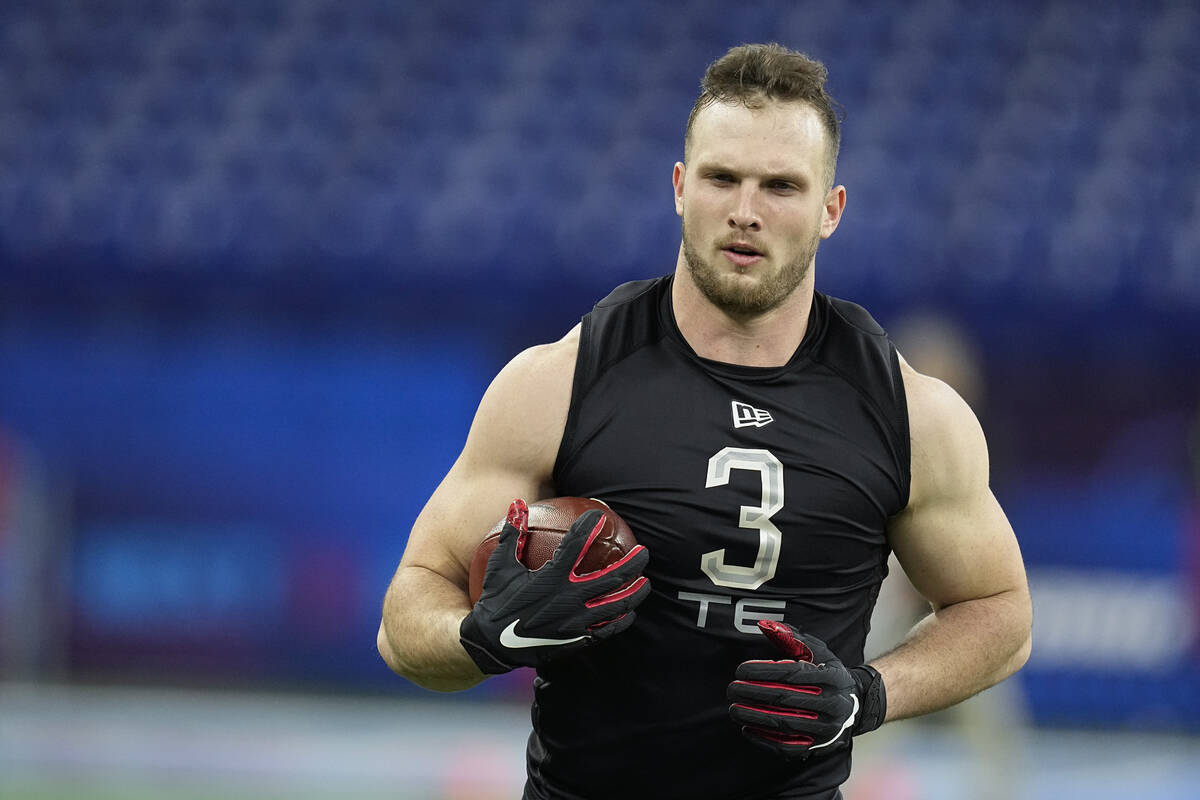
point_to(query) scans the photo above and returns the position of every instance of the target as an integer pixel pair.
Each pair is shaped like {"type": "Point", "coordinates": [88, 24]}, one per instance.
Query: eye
{"type": "Point", "coordinates": [782, 186]}
{"type": "Point", "coordinates": [721, 177]}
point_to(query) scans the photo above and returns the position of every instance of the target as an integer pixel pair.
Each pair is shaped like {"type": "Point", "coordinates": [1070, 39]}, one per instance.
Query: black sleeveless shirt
{"type": "Point", "coordinates": [760, 493]}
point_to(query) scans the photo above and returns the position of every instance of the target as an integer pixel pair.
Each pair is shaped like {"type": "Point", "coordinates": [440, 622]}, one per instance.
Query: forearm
{"type": "Point", "coordinates": [956, 652]}
{"type": "Point", "coordinates": [418, 637]}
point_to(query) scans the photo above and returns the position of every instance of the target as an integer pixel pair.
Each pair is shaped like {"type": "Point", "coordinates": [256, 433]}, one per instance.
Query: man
{"type": "Point", "coordinates": [768, 447]}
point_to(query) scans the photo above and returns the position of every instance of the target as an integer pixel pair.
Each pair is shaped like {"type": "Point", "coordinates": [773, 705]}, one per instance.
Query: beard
{"type": "Point", "coordinates": [745, 298]}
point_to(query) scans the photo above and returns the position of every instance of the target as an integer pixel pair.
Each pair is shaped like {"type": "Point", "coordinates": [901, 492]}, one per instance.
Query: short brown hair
{"type": "Point", "coordinates": [754, 73]}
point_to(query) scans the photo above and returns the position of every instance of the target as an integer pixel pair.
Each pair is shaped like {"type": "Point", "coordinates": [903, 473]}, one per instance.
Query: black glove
{"type": "Point", "coordinates": [807, 705]}
{"type": "Point", "coordinates": [525, 618]}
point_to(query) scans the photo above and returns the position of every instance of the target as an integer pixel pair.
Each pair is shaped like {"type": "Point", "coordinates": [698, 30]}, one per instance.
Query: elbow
{"type": "Point", "coordinates": [1005, 669]}
{"type": "Point", "coordinates": [393, 659]}
{"type": "Point", "coordinates": [1025, 631]}
{"type": "Point", "coordinates": [433, 681]}
{"type": "Point", "coordinates": [1021, 657]}
{"type": "Point", "coordinates": [384, 645]}
{"type": "Point", "coordinates": [1014, 663]}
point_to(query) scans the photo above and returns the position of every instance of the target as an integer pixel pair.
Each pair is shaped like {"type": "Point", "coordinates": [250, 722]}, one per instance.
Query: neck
{"type": "Point", "coordinates": [768, 339]}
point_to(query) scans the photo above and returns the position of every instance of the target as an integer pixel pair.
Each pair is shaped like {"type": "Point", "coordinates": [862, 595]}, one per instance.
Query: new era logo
{"type": "Point", "coordinates": [745, 415]}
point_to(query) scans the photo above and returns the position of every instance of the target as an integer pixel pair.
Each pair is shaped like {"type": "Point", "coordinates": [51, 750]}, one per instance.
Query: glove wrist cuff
{"type": "Point", "coordinates": [873, 697]}
{"type": "Point", "coordinates": [470, 637]}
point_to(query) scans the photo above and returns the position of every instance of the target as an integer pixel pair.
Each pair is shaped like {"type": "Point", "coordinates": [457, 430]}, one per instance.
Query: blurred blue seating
{"type": "Point", "coordinates": [1087, 262]}
{"type": "Point", "coordinates": [1119, 194]}
{"type": "Point", "coordinates": [1164, 87]}
{"type": "Point", "coordinates": [1088, 32]}
{"type": "Point", "coordinates": [1172, 34]}
{"type": "Point", "coordinates": [1044, 112]}
{"type": "Point", "coordinates": [631, 23]}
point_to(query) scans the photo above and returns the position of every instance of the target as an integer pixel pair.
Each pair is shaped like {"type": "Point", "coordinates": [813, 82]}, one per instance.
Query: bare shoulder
{"type": "Point", "coordinates": [524, 411]}
{"type": "Point", "coordinates": [953, 540]}
{"type": "Point", "coordinates": [509, 453]}
{"type": "Point", "coordinates": [949, 451]}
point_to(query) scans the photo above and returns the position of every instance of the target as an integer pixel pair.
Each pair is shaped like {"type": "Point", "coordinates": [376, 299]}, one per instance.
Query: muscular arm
{"type": "Point", "coordinates": [959, 551]}
{"type": "Point", "coordinates": [509, 453]}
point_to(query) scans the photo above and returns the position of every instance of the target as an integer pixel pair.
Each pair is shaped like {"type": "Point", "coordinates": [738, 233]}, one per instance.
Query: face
{"type": "Point", "coordinates": [753, 201]}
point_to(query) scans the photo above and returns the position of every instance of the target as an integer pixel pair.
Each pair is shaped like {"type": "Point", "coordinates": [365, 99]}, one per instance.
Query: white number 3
{"type": "Point", "coordinates": [769, 538]}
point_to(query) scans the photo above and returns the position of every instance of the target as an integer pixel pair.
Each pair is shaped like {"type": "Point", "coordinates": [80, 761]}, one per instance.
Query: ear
{"type": "Point", "coordinates": [835, 204]}
{"type": "Point", "coordinates": [677, 182]}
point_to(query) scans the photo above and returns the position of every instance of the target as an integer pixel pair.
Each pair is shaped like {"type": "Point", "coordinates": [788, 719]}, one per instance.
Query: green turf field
{"type": "Point", "coordinates": [71, 743]}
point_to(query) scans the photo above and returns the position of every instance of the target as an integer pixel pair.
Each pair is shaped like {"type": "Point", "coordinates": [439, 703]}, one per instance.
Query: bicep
{"type": "Point", "coordinates": [469, 501]}
{"type": "Point", "coordinates": [953, 540]}
{"type": "Point", "coordinates": [956, 550]}
{"type": "Point", "coordinates": [509, 453]}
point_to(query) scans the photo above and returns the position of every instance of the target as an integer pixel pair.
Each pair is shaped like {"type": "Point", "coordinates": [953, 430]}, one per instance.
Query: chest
{"type": "Point", "coordinates": [782, 485]}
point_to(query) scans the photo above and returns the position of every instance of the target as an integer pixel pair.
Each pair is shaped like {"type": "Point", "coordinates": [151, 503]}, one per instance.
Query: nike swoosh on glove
{"type": "Point", "coordinates": [807, 704]}
{"type": "Point", "coordinates": [526, 618]}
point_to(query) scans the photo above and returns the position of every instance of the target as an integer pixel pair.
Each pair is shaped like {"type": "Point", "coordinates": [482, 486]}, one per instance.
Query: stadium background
{"type": "Point", "coordinates": [259, 259]}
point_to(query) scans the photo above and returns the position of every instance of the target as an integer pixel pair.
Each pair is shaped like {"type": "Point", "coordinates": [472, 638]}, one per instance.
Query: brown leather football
{"type": "Point", "coordinates": [548, 520]}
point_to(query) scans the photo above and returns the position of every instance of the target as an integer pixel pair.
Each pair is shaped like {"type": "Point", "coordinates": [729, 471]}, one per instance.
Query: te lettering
{"type": "Point", "coordinates": [746, 612]}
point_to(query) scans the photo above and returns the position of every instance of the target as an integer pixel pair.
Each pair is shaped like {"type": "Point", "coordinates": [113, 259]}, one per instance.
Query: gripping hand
{"type": "Point", "coordinates": [809, 703]}
{"type": "Point", "coordinates": [525, 618]}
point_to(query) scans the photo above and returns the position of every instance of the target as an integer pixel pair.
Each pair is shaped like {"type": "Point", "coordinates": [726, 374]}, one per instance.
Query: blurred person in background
{"type": "Point", "coordinates": [937, 347]}
{"type": "Point", "coordinates": [1192, 523]}
{"type": "Point", "coordinates": [731, 383]}
{"type": "Point", "coordinates": [990, 722]}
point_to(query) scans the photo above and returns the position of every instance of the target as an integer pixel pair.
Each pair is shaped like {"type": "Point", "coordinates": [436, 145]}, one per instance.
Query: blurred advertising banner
{"type": "Point", "coordinates": [161, 601]}
{"type": "Point", "coordinates": [1115, 577]}
{"type": "Point", "coordinates": [33, 577]}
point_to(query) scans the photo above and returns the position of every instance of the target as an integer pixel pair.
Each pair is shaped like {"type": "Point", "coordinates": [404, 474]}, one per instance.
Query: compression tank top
{"type": "Point", "coordinates": [760, 493]}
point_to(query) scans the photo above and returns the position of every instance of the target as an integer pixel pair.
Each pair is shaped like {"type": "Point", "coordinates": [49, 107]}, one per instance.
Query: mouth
{"type": "Point", "coordinates": [742, 253]}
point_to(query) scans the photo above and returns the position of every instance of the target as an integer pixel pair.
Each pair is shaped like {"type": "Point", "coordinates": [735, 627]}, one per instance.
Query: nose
{"type": "Point", "coordinates": [744, 215]}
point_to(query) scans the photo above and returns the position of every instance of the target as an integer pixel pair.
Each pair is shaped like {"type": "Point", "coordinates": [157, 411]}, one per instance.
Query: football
{"type": "Point", "coordinates": [548, 520]}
